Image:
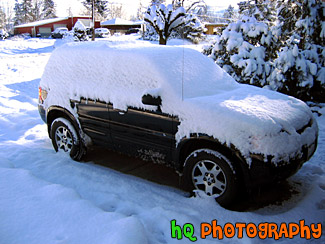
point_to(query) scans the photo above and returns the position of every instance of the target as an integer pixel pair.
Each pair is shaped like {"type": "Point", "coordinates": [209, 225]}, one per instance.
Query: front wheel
{"type": "Point", "coordinates": [211, 173]}
{"type": "Point", "coordinates": [65, 138]}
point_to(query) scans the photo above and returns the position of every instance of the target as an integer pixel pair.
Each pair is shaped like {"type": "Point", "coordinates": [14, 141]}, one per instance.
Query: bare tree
{"type": "Point", "coordinates": [189, 5]}
{"type": "Point", "coordinates": [115, 11]}
{"type": "Point", "coordinates": [7, 14]}
{"type": "Point", "coordinates": [165, 20]}
{"type": "Point", "coordinates": [140, 12]}
{"type": "Point", "coordinates": [2, 18]}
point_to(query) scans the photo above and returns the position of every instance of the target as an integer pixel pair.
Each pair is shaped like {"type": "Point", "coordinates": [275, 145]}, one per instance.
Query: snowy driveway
{"type": "Point", "coordinates": [48, 198]}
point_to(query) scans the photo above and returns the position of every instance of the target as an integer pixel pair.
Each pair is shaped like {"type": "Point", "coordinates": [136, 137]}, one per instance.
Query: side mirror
{"type": "Point", "coordinates": [150, 100]}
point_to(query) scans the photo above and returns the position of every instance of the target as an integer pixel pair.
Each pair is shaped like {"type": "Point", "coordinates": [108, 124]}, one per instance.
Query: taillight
{"type": "Point", "coordinates": [42, 95]}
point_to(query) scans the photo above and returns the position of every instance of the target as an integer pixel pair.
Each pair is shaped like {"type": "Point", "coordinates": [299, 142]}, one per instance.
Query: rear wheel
{"type": "Point", "coordinates": [66, 139]}
{"type": "Point", "coordinates": [211, 173]}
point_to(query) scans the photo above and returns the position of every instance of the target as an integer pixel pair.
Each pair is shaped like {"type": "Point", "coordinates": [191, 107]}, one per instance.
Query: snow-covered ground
{"type": "Point", "coordinates": [45, 197]}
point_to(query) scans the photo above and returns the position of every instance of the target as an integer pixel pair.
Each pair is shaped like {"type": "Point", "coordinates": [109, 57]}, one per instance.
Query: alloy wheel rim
{"type": "Point", "coordinates": [63, 139]}
{"type": "Point", "coordinates": [209, 177]}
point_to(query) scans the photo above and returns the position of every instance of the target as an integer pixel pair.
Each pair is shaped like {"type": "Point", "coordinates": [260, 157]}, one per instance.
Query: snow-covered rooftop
{"type": "Point", "coordinates": [41, 22]}
{"type": "Point", "coordinates": [48, 21]}
{"type": "Point", "coordinates": [117, 21]}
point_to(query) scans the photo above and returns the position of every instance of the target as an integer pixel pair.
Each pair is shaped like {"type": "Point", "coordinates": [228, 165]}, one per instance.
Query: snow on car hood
{"type": "Point", "coordinates": [193, 88]}
{"type": "Point", "coordinates": [254, 120]}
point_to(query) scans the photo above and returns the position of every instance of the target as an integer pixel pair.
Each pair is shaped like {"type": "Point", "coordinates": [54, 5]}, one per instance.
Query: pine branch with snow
{"type": "Point", "coordinates": [262, 10]}
{"type": "Point", "coordinates": [299, 68]}
{"type": "Point", "coordinates": [49, 9]}
{"type": "Point", "coordinates": [244, 50]}
{"type": "Point", "coordinates": [286, 55]}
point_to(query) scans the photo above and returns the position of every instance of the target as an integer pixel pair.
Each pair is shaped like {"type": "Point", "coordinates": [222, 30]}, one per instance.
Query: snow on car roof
{"type": "Point", "coordinates": [192, 87]}
{"type": "Point", "coordinates": [98, 66]}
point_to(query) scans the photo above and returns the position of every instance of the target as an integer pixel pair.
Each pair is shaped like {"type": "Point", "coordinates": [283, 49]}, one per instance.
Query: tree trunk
{"type": "Point", "coordinates": [162, 41]}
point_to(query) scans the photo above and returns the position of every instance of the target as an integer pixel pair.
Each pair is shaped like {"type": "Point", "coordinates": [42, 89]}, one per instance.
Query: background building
{"type": "Point", "coordinates": [44, 28]}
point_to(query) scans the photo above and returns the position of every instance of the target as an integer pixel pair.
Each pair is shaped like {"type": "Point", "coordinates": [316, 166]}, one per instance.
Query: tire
{"type": "Point", "coordinates": [66, 139]}
{"type": "Point", "coordinates": [211, 173]}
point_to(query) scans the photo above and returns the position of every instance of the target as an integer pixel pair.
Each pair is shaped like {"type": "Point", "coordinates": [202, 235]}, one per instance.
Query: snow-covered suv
{"type": "Point", "coordinates": [173, 105]}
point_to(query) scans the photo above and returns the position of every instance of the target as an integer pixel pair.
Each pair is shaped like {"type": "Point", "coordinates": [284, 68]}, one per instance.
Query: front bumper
{"type": "Point", "coordinates": [42, 112]}
{"type": "Point", "coordinates": [262, 172]}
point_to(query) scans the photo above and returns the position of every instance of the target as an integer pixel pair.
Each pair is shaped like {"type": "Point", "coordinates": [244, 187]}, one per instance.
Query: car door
{"type": "Point", "coordinates": [94, 120]}
{"type": "Point", "coordinates": [144, 133]}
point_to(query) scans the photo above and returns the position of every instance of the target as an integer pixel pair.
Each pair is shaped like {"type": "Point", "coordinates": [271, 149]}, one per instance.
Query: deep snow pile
{"type": "Point", "coordinates": [48, 198]}
{"type": "Point", "coordinates": [254, 120]}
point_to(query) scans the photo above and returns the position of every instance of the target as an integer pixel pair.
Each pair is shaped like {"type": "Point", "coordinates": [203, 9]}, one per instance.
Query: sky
{"type": "Point", "coordinates": [130, 6]}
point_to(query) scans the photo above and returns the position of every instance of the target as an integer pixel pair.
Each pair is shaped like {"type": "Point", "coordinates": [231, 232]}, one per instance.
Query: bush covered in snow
{"type": "Point", "coordinates": [280, 47]}
{"type": "Point", "coordinates": [192, 30]}
{"type": "Point", "coordinates": [80, 31]}
{"type": "Point", "coordinates": [3, 34]}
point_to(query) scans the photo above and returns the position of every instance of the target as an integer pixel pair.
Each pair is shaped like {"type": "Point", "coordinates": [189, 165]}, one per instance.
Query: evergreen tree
{"type": "Point", "coordinates": [37, 10]}
{"type": "Point", "coordinates": [193, 29]}
{"type": "Point", "coordinates": [80, 32]}
{"type": "Point", "coordinates": [299, 69]}
{"type": "Point", "coordinates": [261, 10]}
{"type": "Point", "coordinates": [27, 11]}
{"type": "Point", "coordinates": [244, 50]}
{"type": "Point", "coordinates": [18, 14]}
{"type": "Point", "coordinates": [287, 55]}
{"type": "Point", "coordinates": [23, 12]}
{"type": "Point", "coordinates": [100, 6]}
{"type": "Point", "coordinates": [230, 14]}
{"type": "Point", "coordinates": [49, 9]}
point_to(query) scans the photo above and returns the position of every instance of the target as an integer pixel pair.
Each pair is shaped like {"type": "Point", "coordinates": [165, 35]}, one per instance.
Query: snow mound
{"type": "Point", "coordinates": [54, 210]}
